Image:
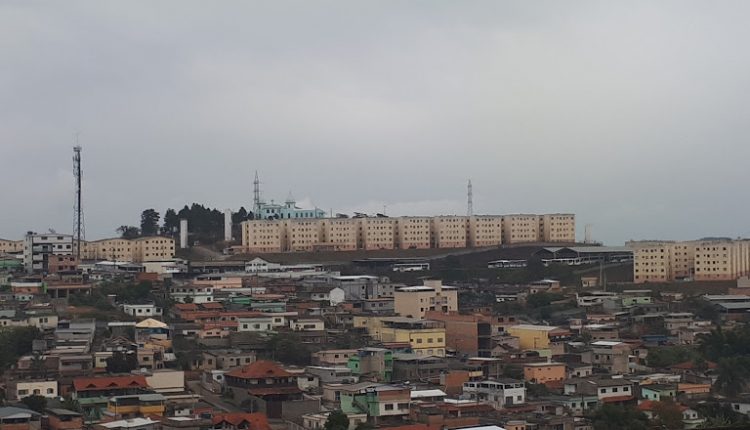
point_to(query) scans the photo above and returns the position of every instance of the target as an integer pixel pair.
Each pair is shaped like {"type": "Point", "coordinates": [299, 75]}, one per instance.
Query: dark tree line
{"type": "Point", "coordinates": [206, 225]}
{"type": "Point", "coordinates": [16, 341]}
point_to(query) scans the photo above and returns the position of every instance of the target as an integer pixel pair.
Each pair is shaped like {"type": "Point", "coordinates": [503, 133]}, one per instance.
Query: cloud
{"type": "Point", "coordinates": [632, 115]}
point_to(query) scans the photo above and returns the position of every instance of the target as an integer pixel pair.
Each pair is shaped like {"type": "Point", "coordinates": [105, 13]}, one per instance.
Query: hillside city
{"type": "Point", "coordinates": [280, 317]}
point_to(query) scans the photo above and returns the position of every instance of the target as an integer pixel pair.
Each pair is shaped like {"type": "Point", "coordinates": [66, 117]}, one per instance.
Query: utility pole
{"type": "Point", "coordinates": [470, 200]}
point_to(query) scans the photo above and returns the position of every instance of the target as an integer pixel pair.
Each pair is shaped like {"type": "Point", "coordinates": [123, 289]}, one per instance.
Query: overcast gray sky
{"type": "Point", "coordinates": [633, 115]}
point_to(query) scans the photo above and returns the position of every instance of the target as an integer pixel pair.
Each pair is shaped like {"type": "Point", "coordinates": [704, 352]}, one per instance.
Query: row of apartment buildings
{"type": "Point", "coordinates": [700, 260]}
{"type": "Point", "coordinates": [347, 234]}
{"type": "Point", "coordinates": [47, 251]}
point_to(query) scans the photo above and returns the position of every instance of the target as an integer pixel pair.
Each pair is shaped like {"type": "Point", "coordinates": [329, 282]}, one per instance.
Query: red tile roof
{"type": "Point", "coordinates": [212, 305]}
{"type": "Point", "coordinates": [648, 405]}
{"type": "Point", "coordinates": [414, 427]}
{"type": "Point", "coordinates": [260, 369]}
{"type": "Point", "coordinates": [101, 383]}
{"type": "Point", "coordinates": [255, 421]}
{"type": "Point", "coordinates": [269, 391]}
{"type": "Point", "coordinates": [616, 399]}
{"type": "Point", "coordinates": [186, 306]}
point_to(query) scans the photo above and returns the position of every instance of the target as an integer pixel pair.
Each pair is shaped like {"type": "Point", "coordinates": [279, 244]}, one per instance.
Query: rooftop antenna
{"type": "Point", "coordinates": [470, 198]}
{"type": "Point", "coordinates": [79, 231]}
{"type": "Point", "coordinates": [256, 197]}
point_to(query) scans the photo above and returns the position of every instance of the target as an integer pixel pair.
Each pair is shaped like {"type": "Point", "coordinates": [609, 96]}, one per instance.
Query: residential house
{"type": "Point", "coordinates": [544, 373]}
{"type": "Point", "coordinates": [94, 393]}
{"type": "Point", "coordinates": [241, 421]}
{"type": "Point", "coordinates": [466, 334]}
{"type": "Point", "coordinates": [607, 390]}
{"type": "Point", "coordinates": [659, 392]}
{"type": "Point", "coordinates": [416, 301]}
{"type": "Point", "coordinates": [612, 356]}
{"type": "Point", "coordinates": [225, 359]}
{"type": "Point", "coordinates": [500, 393]}
{"type": "Point", "coordinates": [63, 419]}
{"type": "Point", "coordinates": [135, 405]}
{"type": "Point", "coordinates": [270, 389]}
{"type": "Point", "coordinates": [381, 402]}
{"type": "Point", "coordinates": [538, 337]}
{"type": "Point", "coordinates": [12, 418]}
{"type": "Point", "coordinates": [332, 357]}
{"type": "Point", "coordinates": [374, 363]}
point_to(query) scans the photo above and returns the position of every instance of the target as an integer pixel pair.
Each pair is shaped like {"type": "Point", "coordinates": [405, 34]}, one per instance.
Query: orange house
{"type": "Point", "coordinates": [544, 373]}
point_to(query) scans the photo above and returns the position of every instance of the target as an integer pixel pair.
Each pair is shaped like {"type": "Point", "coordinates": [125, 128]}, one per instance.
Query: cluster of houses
{"type": "Point", "coordinates": [388, 355]}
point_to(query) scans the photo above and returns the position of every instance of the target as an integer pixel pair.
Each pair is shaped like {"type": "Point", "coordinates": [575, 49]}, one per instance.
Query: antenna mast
{"type": "Point", "coordinates": [78, 227]}
{"type": "Point", "coordinates": [470, 202]}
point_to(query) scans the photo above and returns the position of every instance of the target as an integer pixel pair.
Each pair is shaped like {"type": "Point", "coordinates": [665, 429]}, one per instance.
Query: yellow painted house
{"type": "Point", "coordinates": [426, 337]}
{"type": "Point", "coordinates": [535, 337]}
{"type": "Point", "coordinates": [137, 405]}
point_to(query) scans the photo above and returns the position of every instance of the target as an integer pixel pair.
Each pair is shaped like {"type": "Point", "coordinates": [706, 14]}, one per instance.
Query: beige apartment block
{"type": "Point", "coordinates": [150, 248]}
{"type": "Point", "coordinates": [263, 236]}
{"type": "Point", "coordinates": [109, 249]}
{"type": "Point", "coordinates": [340, 234]}
{"type": "Point", "coordinates": [302, 235]}
{"type": "Point", "coordinates": [414, 232]}
{"type": "Point", "coordinates": [723, 260]}
{"type": "Point", "coordinates": [683, 260]}
{"type": "Point", "coordinates": [416, 301]}
{"type": "Point", "coordinates": [153, 248]}
{"type": "Point", "coordinates": [557, 228]}
{"type": "Point", "coordinates": [705, 260]}
{"type": "Point", "coordinates": [346, 234]}
{"type": "Point", "coordinates": [11, 245]}
{"type": "Point", "coordinates": [449, 231]}
{"type": "Point", "coordinates": [485, 230]}
{"type": "Point", "coordinates": [652, 261]}
{"type": "Point", "coordinates": [520, 228]}
{"type": "Point", "coordinates": [377, 233]}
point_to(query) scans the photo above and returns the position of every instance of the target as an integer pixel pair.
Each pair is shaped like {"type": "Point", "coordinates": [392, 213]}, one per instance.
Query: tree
{"type": "Point", "coordinates": [720, 414]}
{"type": "Point", "coordinates": [35, 402]}
{"type": "Point", "coordinates": [537, 390]}
{"type": "Point", "coordinates": [666, 356]}
{"type": "Point", "coordinates": [288, 348]}
{"type": "Point", "coordinates": [120, 362]}
{"type": "Point", "coordinates": [539, 300]}
{"type": "Point", "coordinates": [16, 341]}
{"type": "Point", "coordinates": [71, 404]}
{"type": "Point", "coordinates": [38, 365]}
{"type": "Point", "coordinates": [239, 216]}
{"type": "Point", "coordinates": [337, 420]}
{"type": "Point", "coordinates": [733, 375]}
{"type": "Point", "coordinates": [149, 222]}
{"type": "Point", "coordinates": [668, 415]}
{"type": "Point", "coordinates": [611, 417]}
{"type": "Point", "coordinates": [171, 222]}
{"type": "Point", "coordinates": [128, 231]}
